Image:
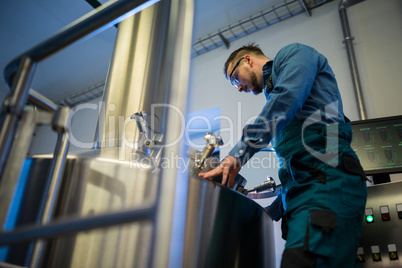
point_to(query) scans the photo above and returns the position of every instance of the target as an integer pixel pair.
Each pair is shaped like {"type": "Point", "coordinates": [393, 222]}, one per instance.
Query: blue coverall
{"type": "Point", "coordinates": [323, 188]}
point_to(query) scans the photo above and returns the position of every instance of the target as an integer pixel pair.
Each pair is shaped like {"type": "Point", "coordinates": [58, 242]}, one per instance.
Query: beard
{"type": "Point", "coordinates": [256, 87]}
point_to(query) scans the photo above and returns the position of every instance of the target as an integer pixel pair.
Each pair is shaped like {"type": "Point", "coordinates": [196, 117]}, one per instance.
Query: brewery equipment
{"type": "Point", "coordinates": [121, 204]}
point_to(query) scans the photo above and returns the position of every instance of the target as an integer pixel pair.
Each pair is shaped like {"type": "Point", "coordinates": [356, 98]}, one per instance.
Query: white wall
{"type": "Point", "coordinates": [377, 27]}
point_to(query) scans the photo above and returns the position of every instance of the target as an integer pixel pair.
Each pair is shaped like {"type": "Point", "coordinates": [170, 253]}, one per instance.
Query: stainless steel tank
{"type": "Point", "coordinates": [223, 228]}
{"type": "Point", "coordinates": [118, 205]}
{"type": "Point", "coordinates": [94, 185]}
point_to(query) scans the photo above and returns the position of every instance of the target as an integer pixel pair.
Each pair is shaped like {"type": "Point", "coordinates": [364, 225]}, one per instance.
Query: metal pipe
{"type": "Point", "coordinates": [41, 101]}
{"type": "Point", "coordinates": [51, 194]}
{"type": "Point", "coordinates": [12, 170]}
{"type": "Point", "coordinates": [72, 226]}
{"type": "Point", "coordinates": [14, 105]}
{"type": "Point", "coordinates": [352, 58]}
{"type": "Point", "coordinates": [95, 21]}
{"type": "Point", "coordinates": [61, 124]}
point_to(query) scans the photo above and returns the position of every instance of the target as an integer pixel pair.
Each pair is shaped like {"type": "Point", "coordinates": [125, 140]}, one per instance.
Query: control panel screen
{"type": "Point", "coordinates": [378, 144]}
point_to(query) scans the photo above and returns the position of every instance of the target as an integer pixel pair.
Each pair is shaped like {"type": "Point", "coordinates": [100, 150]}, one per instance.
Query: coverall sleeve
{"type": "Point", "coordinates": [294, 70]}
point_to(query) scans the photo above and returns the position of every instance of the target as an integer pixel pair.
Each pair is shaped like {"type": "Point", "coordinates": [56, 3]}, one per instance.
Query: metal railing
{"type": "Point", "coordinates": [18, 125]}
{"type": "Point", "coordinates": [19, 72]}
{"type": "Point", "coordinates": [166, 211]}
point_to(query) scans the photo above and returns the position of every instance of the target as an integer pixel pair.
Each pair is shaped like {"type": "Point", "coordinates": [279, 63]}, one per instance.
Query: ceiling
{"type": "Point", "coordinates": [26, 23]}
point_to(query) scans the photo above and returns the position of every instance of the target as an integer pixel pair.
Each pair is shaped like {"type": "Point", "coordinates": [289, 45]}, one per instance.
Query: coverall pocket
{"type": "Point", "coordinates": [354, 191]}
{"type": "Point", "coordinates": [313, 230]}
{"type": "Point", "coordinates": [353, 166]}
{"type": "Point", "coordinates": [320, 234]}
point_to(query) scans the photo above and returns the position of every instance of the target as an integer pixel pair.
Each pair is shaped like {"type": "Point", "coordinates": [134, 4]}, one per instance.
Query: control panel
{"type": "Point", "coordinates": [381, 241]}
{"type": "Point", "coordinates": [378, 144]}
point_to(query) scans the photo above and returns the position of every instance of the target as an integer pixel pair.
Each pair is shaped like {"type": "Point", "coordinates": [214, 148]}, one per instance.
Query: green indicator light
{"type": "Point", "coordinates": [369, 218]}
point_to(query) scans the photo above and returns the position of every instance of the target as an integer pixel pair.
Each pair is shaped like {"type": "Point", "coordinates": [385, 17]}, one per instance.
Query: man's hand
{"type": "Point", "coordinates": [228, 168]}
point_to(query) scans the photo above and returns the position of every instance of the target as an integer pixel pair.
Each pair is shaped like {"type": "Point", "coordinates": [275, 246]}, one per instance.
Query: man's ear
{"type": "Point", "coordinates": [249, 60]}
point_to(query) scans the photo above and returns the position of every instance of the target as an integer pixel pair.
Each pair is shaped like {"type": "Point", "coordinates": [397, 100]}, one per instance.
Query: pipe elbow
{"type": "Point", "coordinates": [10, 71]}
{"type": "Point", "coordinates": [344, 4]}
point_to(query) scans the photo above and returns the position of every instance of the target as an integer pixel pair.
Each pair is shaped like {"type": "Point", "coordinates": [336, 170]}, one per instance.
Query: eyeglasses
{"type": "Point", "coordinates": [235, 80]}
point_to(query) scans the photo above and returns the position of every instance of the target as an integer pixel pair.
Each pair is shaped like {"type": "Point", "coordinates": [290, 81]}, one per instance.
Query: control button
{"type": "Point", "coordinates": [360, 254]}
{"type": "Point", "coordinates": [369, 215]}
{"type": "Point", "coordinates": [393, 253]}
{"type": "Point", "coordinates": [385, 213]}
{"type": "Point", "coordinates": [399, 209]}
{"type": "Point", "coordinates": [375, 253]}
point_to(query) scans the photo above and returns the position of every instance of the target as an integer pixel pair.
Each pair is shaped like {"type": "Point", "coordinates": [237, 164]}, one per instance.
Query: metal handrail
{"type": "Point", "coordinates": [78, 224]}
{"type": "Point", "coordinates": [22, 68]}
{"type": "Point", "coordinates": [19, 73]}
{"type": "Point", "coordinates": [99, 19]}
{"type": "Point", "coordinates": [41, 101]}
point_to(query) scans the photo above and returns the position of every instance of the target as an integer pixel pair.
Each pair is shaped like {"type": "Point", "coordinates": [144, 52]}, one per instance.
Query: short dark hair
{"type": "Point", "coordinates": [251, 48]}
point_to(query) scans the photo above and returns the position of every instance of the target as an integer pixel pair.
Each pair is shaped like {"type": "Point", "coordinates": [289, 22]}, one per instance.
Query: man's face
{"type": "Point", "coordinates": [243, 77]}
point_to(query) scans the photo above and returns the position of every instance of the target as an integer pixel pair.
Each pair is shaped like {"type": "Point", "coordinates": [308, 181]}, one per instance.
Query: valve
{"type": "Point", "coordinates": [213, 141]}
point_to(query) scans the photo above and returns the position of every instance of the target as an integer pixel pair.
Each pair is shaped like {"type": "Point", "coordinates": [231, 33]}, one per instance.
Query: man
{"type": "Point", "coordinates": [323, 188]}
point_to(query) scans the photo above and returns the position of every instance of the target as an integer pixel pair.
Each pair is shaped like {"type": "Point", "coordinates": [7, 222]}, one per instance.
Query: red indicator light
{"type": "Point", "coordinates": [385, 213]}
{"type": "Point", "coordinates": [385, 217]}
